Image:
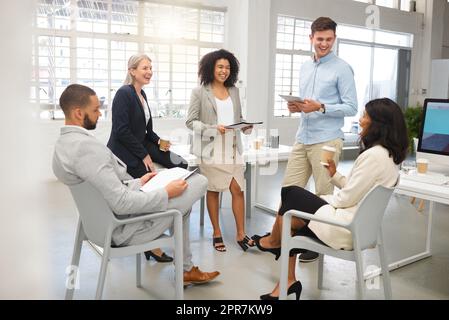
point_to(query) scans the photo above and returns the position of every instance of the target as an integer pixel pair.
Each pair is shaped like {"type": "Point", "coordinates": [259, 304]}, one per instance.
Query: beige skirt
{"type": "Point", "coordinates": [220, 176]}
{"type": "Point", "coordinates": [227, 163]}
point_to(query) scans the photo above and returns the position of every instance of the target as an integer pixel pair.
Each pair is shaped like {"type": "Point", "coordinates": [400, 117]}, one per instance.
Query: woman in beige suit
{"type": "Point", "coordinates": [384, 144]}
{"type": "Point", "coordinates": [213, 106]}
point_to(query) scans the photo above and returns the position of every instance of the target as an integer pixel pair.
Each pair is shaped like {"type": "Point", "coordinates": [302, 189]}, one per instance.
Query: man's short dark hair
{"type": "Point", "coordinates": [323, 24]}
{"type": "Point", "coordinates": [75, 95]}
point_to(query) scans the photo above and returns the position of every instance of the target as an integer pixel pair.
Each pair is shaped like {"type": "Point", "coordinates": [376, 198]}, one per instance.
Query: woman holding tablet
{"type": "Point", "coordinates": [213, 106]}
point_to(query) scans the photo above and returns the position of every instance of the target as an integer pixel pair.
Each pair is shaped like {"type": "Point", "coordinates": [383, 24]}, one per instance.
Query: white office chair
{"type": "Point", "coordinates": [366, 230]}
{"type": "Point", "coordinates": [97, 222]}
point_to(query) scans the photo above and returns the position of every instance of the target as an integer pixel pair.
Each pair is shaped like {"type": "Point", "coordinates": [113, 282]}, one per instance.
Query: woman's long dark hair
{"type": "Point", "coordinates": [207, 67]}
{"type": "Point", "coordinates": [387, 129]}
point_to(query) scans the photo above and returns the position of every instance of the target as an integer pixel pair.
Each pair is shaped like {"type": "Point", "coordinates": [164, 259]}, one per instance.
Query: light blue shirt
{"type": "Point", "coordinates": [329, 80]}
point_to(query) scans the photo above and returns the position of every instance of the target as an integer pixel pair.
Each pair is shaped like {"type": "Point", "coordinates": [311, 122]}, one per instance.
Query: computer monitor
{"type": "Point", "coordinates": [434, 135]}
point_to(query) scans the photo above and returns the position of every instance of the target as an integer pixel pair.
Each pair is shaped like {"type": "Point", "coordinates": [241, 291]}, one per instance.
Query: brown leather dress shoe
{"type": "Point", "coordinates": [196, 276]}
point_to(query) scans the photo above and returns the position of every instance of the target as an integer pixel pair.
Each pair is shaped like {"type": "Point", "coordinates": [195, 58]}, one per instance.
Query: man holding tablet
{"type": "Point", "coordinates": [328, 94]}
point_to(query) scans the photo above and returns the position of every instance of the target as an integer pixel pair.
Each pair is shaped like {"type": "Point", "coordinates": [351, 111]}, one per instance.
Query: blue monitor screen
{"type": "Point", "coordinates": [435, 128]}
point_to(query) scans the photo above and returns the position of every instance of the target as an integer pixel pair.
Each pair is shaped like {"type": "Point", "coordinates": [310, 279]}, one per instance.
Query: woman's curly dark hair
{"type": "Point", "coordinates": [207, 67]}
{"type": "Point", "coordinates": [387, 129]}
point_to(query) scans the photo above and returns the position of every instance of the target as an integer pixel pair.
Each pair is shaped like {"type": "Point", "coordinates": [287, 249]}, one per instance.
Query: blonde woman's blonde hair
{"type": "Point", "coordinates": [133, 63]}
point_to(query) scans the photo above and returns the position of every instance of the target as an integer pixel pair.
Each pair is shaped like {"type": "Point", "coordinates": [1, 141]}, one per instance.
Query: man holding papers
{"type": "Point", "coordinates": [164, 177]}
{"type": "Point", "coordinates": [80, 157]}
{"type": "Point", "coordinates": [326, 85]}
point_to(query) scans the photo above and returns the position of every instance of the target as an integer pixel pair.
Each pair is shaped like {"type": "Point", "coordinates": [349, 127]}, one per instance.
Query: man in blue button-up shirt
{"type": "Point", "coordinates": [326, 83]}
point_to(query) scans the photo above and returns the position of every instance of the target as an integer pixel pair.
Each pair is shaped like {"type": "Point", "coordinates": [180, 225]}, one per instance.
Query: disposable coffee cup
{"type": "Point", "coordinates": [421, 165]}
{"type": "Point", "coordinates": [327, 153]}
{"type": "Point", "coordinates": [257, 144]}
{"type": "Point", "coordinates": [163, 143]}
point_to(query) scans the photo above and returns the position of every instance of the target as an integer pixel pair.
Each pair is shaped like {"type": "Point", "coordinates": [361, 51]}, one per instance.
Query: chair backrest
{"type": "Point", "coordinates": [95, 214]}
{"type": "Point", "coordinates": [368, 218]}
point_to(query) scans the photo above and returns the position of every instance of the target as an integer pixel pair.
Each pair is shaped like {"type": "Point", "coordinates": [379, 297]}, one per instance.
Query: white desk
{"type": "Point", "coordinates": [251, 157]}
{"type": "Point", "coordinates": [431, 192]}
{"type": "Point", "coordinates": [262, 156]}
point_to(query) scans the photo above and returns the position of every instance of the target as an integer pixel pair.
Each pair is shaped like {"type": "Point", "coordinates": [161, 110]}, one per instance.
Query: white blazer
{"type": "Point", "coordinates": [373, 167]}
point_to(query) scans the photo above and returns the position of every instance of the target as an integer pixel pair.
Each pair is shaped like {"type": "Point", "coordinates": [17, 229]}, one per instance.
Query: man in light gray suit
{"type": "Point", "coordinates": [80, 157]}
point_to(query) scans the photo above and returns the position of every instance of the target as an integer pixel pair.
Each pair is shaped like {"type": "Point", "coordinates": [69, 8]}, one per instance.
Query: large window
{"type": "Point", "coordinates": [93, 65]}
{"type": "Point", "coordinates": [90, 42]}
{"type": "Point", "coordinates": [373, 54]}
{"type": "Point", "coordinates": [51, 71]}
{"type": "Point", "coordinates": [292, 49]}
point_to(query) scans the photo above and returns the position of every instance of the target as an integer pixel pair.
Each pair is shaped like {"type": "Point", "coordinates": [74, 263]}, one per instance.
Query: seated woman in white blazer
{"type": "Point", "coordinates": [384, 143]}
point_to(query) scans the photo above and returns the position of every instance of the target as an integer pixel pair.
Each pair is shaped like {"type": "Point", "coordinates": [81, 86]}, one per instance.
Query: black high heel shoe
{"type": "Point", "coordinates": [275, 251]}
{"type": "Point", "coordinates": [256, 236]}
{"type": "Point", "coordinates": [162, 258]}
{"type": "Point", "coordinates": [245, 243]}
{"type": "Point", "coordinates": [296, 288]}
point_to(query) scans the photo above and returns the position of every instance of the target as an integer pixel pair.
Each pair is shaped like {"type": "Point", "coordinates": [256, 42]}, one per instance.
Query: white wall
{"type": "Point", "coordinates": [15, 59]}
{"type": "Point", "coordinates": [258, 61]}
{"type": "Point", "coordinates": [445, 53]}
{"type": "Point", "coordinates": [429, 45]}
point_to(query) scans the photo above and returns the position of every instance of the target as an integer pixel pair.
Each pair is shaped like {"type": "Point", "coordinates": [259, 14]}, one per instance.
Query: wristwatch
{"type": "Point", "coordinates": [322, 109]}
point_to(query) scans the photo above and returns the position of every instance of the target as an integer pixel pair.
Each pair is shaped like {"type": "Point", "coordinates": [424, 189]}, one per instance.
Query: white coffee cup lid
{"type": "Point", "coordinates": [422, 160]}
{"type": "Point", "coordinates": [327, 148]}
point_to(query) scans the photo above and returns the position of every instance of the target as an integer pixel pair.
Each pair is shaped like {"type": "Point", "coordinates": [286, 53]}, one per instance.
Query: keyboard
{"type": "Point", "coordinates": [431, 178]}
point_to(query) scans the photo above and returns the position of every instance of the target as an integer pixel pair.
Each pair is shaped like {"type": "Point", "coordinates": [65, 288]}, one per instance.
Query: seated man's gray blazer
{"type": "Point", "coordinates": [80, 157]}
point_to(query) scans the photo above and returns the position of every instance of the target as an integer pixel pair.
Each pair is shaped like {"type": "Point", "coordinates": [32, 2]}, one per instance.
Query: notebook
{"type": "Point", "coordinates": [164, 177]}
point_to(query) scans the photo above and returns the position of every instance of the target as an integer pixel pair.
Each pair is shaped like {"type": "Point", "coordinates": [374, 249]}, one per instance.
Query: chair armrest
{"type": "Point", "coordinates": [308, 216]}
{"type": "Point", "coordinates": [147, 216]}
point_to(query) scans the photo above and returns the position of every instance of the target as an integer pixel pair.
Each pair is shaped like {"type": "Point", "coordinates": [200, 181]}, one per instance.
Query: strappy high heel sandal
{"type": "Point", "coordinates": [256, 236]}
{"type": "Point", "coordinates": [245, 243]}
{"type": "Point", "coordinates": [218, 244]}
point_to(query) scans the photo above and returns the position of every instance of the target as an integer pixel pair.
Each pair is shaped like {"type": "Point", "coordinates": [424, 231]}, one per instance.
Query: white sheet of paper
{"type": "Point", "coordinates": [163, 178]}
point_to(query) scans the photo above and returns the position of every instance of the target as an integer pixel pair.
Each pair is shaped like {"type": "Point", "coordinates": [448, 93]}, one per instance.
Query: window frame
{"type": "Point", "coordinates": [140, 38]}
{"type": "Point", "coordinates": [371, 42]}
{"type": "Point", "coordinates": [292, 52]}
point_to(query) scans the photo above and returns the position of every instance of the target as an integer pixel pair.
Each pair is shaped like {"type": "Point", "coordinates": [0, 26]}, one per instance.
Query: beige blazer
{"type": "Point", "coordinates": [202, 119]}
{"type": "Point", "coordinates": [373, 167]}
